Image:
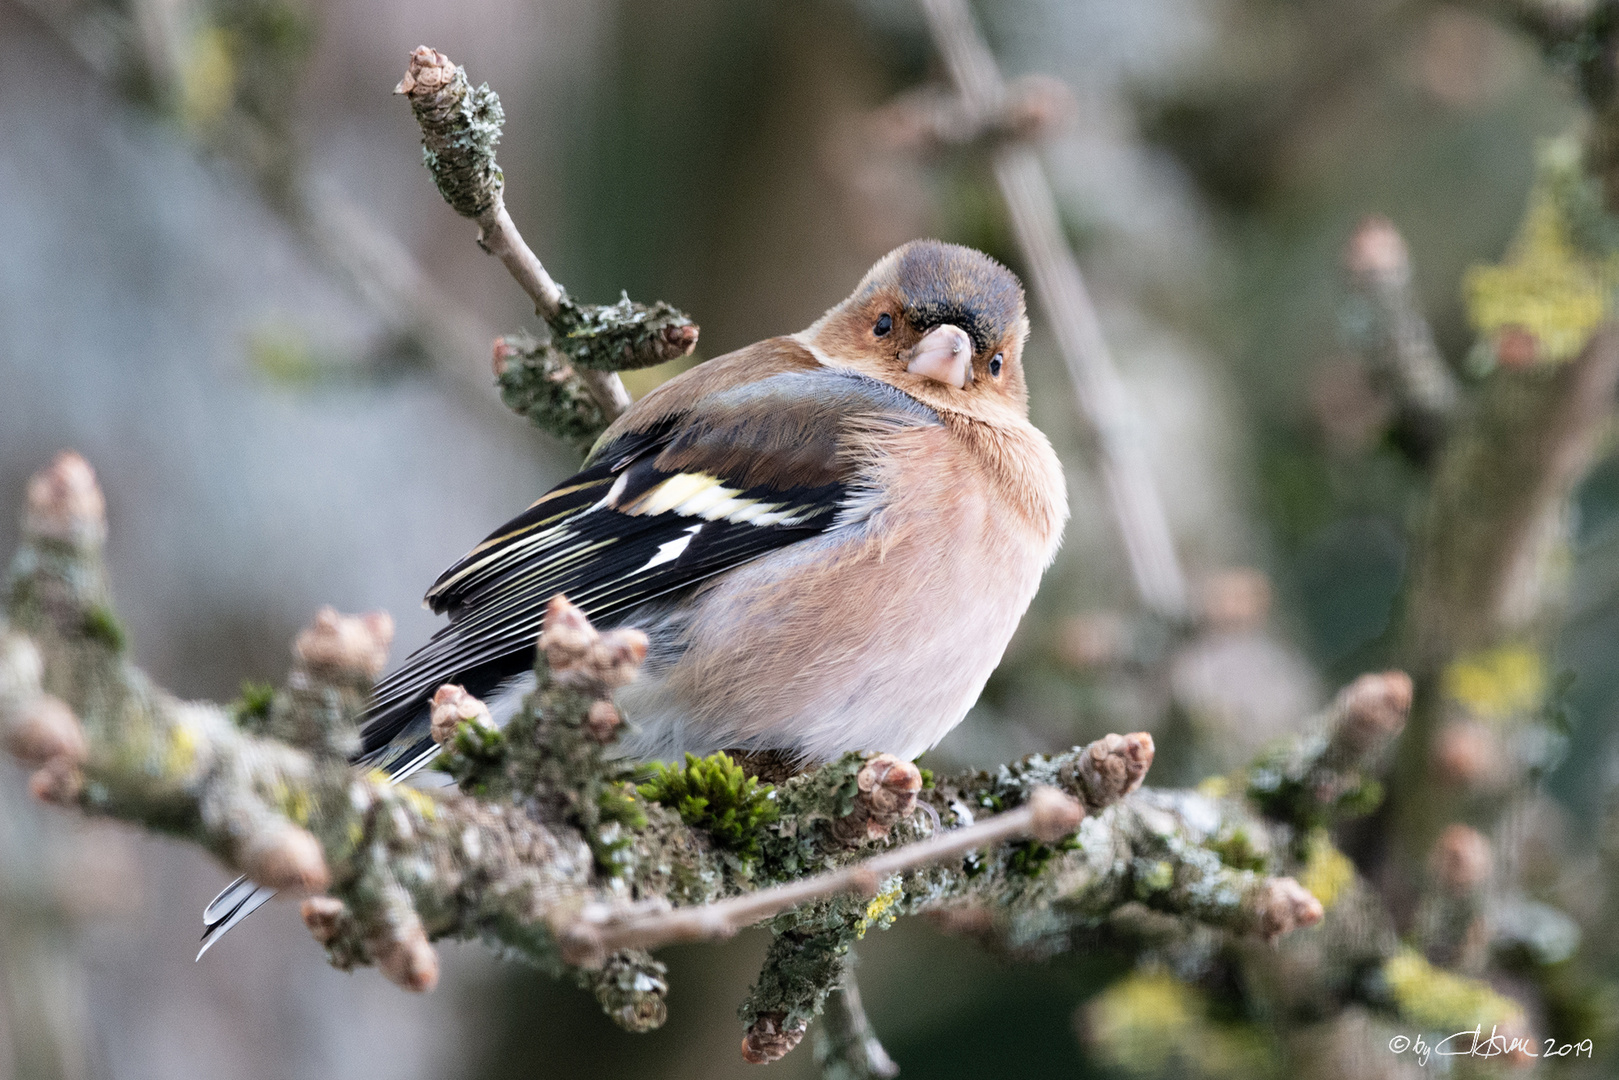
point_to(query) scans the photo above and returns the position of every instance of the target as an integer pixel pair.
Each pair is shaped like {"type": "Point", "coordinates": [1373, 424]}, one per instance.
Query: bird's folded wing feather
{"type": "Point", "coordinates": [659, 507]}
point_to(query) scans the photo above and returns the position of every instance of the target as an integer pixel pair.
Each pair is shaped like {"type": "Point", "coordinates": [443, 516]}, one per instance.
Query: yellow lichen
{"type": "Point", "coordinates": [1154, 877]}
{"type": "Point", "coordinates": [294, 803]}
{"type": "Point", "coordinates": [181, 752]}
{"type": "Point", "coordinates": [878, 911]}
{"type": "Point", "coordinates": [1497, 684]}
{"type": "Point", "coordinates": [1437, 1000]}
{"type": "Point", "coordinates": [418, 801]}
{"type": "Point", "coordinates": [1547, 287]}
{"type": "Point", "coordinates": [1327, 872]}
{"type": "Point", "coordinates": [1152, 1024]}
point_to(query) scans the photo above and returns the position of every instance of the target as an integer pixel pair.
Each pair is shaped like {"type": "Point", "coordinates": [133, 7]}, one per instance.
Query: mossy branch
{"type": "Point", "coordinates": [1327, 771]}
{"type": "Point", "coordinates": [547, 852]}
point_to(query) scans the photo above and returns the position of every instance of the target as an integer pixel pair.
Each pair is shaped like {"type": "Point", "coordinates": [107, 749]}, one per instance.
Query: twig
{"type": "Point", "coordinates": [498, 235]}
{"type": "Point", "coordinates": [845, 1046]}
{"type": "Point", "coordinates": [1401, 343]}
{"type": "Point", "coordinates": [1049, 815]}
{"type": "Point", "coordinates": [1325, 774]}
{"type": "Point", "coordinates": [1133, 493]}
{"type": "Point", "coordinates": [934, 119]}
{"type": "Point", "coordinates": [459, 129]}
{"type": "Point", "coordinates": [343, 235]}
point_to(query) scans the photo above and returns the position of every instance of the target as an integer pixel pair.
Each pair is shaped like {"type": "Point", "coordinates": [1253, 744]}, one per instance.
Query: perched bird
{"type": "Point", "coordinates": [829, 539]}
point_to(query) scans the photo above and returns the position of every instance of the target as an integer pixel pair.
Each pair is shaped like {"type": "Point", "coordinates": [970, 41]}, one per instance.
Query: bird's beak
{"type": "Point", "coordinates": [945, 354]}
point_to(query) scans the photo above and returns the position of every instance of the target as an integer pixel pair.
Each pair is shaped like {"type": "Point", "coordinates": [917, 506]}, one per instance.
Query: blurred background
{"type": "Point", "coordinates": [226, 279]}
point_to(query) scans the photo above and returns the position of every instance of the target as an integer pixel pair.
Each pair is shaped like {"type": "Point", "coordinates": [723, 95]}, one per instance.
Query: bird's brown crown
{"type": "Point", "coordinates": [911, 293]}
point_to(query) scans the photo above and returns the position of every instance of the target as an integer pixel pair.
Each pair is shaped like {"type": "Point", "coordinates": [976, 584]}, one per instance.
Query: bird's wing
{"type": "Point", "coordinates": [740, 472]}
{"type": "Point", "coordinates": [721, 476]}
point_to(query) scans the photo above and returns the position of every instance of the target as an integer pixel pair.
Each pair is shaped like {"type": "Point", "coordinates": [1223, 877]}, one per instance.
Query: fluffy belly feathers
{"type": "Point", "coordinates": [893, 670]}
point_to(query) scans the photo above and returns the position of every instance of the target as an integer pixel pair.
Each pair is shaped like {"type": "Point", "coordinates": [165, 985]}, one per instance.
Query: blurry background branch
{"type": "Point", "coordinates": [1395, 335]}
{"type": "Point", "coordinates": [1059, 288]}
{"type": "Point", "coordinates": [156, 48]}
{"type": "Point", "coordinates": [845, 1047]}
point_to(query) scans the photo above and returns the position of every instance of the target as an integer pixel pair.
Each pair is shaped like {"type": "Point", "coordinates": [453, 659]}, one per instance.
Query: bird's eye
{"type": "Point", "coordinates": [995, 366]}
{"type": "Point", "coordinates": [884, 325]}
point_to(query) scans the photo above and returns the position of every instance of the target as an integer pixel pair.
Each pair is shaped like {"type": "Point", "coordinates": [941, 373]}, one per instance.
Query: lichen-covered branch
{"type": "Point", "coordinates": [1048, 816]}
{"type": "Point", "coordinates": [1328, 771]}
{"type": "Point", "coordinates": [548, 849]}
{"type": "Point", "coordinates": [1156, 848]}
{"type": "Point", "coordinates": [460, 129]}
{"type": "Point", "coordinates": [1275, 817]}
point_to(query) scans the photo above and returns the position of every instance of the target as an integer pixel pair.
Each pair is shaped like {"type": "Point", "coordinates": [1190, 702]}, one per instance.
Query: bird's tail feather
{"type": "Point", "coordinates": [396, 739]}
{"type": "Point", "coordinates": [239, 899]}
{"type": "Point", "coordinates": [244, 896]}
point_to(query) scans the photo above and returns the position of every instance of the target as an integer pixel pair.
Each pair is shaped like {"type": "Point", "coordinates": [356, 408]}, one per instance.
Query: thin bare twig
{"type": "Point", "coordinates": [498, 235]}
{"type": "Point", "coordinates": [460, 127]}
{"type": "Point", "coordinates": [1400, 343]}
{"type": "Point", "coordinates": [1137, 506]}
{"type": "Point", "coordinates": [1048, 815]}
{"type": "Point", "coordinates": [845, 1039]}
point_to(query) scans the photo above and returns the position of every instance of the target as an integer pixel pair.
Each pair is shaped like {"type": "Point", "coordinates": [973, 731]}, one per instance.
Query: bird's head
{"type": "Point", "coordinates": [940, 321]}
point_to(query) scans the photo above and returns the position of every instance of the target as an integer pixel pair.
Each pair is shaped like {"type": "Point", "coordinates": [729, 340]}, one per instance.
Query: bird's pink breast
{"type": "Point", "coordinates": [875, 636]}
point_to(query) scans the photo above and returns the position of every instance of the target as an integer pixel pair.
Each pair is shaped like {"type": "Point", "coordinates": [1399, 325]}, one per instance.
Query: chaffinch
{"type": "Point", "coordinates": [828, 538]}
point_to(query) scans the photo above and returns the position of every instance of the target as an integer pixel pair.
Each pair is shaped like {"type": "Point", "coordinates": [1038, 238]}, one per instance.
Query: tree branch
{"type": "Point", "coordinates": [1048, 816]}
{"type": "Point", "coordinates": [1529, 438]}
{"type": "Point", "coordinates": [460, 128]}
{"type": "Point", "coordinates": [1397, 339]}
{"type": "Point", "coordinates": [1132, 492]}
{"type": "Point", "coordinates": [845, 1046]}
{"type": "Point", "coordinates": [546, 849]}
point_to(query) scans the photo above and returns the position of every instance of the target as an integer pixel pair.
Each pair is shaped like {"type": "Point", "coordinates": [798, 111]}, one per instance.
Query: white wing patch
{"type": "Point", "coordinates": [613, 492]}
{"type": "Point", "coordinates": [665, 496]}
{"type": "Point", "coordinates": [708, 497]}
{"type": "Point", "coordinates": [670, 551]}
{"type": "Point", "coordinates": [689, 495]}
